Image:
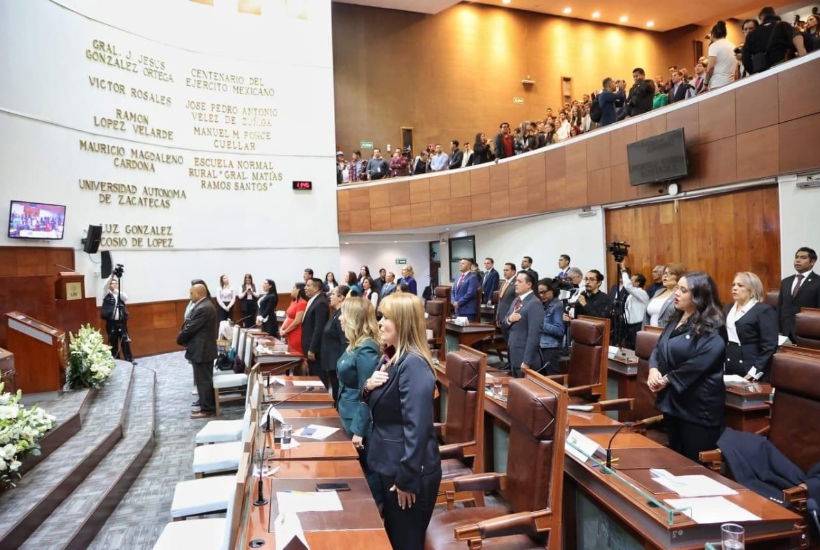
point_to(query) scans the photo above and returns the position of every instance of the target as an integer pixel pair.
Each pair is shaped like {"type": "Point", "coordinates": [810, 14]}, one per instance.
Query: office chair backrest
{"type": "Point", "coordinates": [645, 342]}
{"type": "Point", "coordinates": [589, 344]}
{"type": "Point", "coordinates": [807, 328]}
{"type": "Point", "coordinates": [465, 370]}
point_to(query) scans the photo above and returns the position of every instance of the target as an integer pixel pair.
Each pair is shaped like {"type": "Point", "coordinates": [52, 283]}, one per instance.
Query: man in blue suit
{"type": "Point", "coordinates": [464, 292]}
{"type": "Point", "coordinates": [490, 282]}
{"type": "Point", "coordinates": [607, 99]}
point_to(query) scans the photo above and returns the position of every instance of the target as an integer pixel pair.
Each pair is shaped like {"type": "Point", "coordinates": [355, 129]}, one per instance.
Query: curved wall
{"type": "Point", "coordinates": [177, 125]}
{"type": "Point", "coordinates": [763, 126]}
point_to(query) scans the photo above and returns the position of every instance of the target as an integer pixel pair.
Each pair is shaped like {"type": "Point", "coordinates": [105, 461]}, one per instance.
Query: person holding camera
{"type": "Point", "coordinates": [116, 316]}
{"type": "Point", "coordinates": [635, 303]}
{"type": "Point", "coordinates": [592, 302]}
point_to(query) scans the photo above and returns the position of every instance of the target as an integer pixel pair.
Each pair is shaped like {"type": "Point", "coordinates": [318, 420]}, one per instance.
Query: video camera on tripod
{"type": "Point", "coordinates": [619, 251]}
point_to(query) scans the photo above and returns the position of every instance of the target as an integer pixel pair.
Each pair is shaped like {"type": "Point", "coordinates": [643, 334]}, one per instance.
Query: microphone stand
{"type": "Point", "coordinates": [609, 446]}
{"type": "Point", "coordinates": [260, 495]}
{"type": "Point", "coordinates": [811, 506]}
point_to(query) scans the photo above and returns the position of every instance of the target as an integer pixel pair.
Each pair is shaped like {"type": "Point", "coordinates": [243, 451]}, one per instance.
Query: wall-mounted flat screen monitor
{"type": "Point", "coordinates": [36, 220]}
{"type": "Point", "coordinates": [658, 158]}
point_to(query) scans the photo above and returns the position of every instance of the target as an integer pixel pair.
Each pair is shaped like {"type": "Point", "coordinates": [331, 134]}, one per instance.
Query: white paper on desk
{"type": "Point", "coordinates": [308, 384]}
{"type": "Point", "coordinates": [587, 446]}
{"type": "Point", "coordinates": [712, 510]}
{"type": "Point", "coordinates": [314, 501]}
{"type": "Point", "coordinates": [782, 339]}
{"type": "Point", "coordinates": [274, 413]}
{"type": "Point", "coordinates": [733, 379]}
{"type": "Point", "coordinates": [292, 445]}
{"type": "Point", "coordinates": [278, 380]}
{"type": "Point", "coordinates": [584, 408]}
{"type": "Point", "coordinates": [315, 432]}
{"type": "Point", "coordinates": [289, 533]}
{"type": "Point", "coordinates": [694, 486]}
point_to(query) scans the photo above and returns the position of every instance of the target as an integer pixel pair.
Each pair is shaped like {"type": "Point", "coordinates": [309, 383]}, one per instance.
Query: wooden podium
{"type": "Point", "coordinates": [70, 285]}
{"type": "Point", "coordinates": [40, 353]}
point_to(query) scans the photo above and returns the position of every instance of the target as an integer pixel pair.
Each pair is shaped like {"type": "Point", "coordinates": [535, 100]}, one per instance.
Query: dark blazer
{"type": "Point", "coordinates": [679, 94]}
{"type": "Point", "coordinates": [198, 333]}
{"type": "Point", "coordinates": [640, 97]}
{"type": "Point", "coordinates": [606, 100]}
{"type": "Point", "coordinates": [481, 154]}
{"type": "Point", "coordinates": [353, 369]}
{"type": "Point", "coordinates": [694, 366]}
{"type": "Point", "coordinates": [465, 296]}
{"type": "Point", "coordinates": [489, 285]}
{"type": "Point", "coordinates": [267, 308]}
{"type": "Point", "coordinates": [387, 289]}
{"type": "Point", "coordinates": [523, 337]}
{"type": "Point", "coordinates": [598, 305]}
{"type": "Point", "coordinates": [498, 146]}
{"type": "Point", "coordinates": [402, 413]}
{"type": "Point", "coordinates": [333, 342]}
{"type": "Point", "coordinates": [534, 274]}
{"type": "Point", "coordinates": [312, 325]}
{"type": "Point", "coordinates": [757, 332]}
{"type": "Point", "coordinates": [456, 158]}
{"type": "Point", "coordinates": [788, 307]}
{"type": "Point", "coordinates": [504, 304]}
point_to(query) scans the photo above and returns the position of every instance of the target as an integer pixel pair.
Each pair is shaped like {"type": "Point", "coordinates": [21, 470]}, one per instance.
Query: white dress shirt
{"type": "Point", "coordinates": [734, 314]}
{"type": "Point", "coordinates": [118, 295]}
{"type": "Point", "coordinates": [636, 302]}
{"type": "Point", "coordinates": [806, 276]}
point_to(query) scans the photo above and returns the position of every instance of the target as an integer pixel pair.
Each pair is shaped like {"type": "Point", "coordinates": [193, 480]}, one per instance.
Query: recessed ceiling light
{"type": "Point", "coordinates": [506, 1]}
{"type": "Point", "coordinates": [395, 242]}
{"type": "Point", "coordinates": [624, 19]}
{"type": "Point", "coordinates": [596, 14]}
{"type": "Point", "coordinates": [567, 11]}
{"type": "Point", "coordinates": [650, 24]}
{"type": "Point", "coordinates": [347, 243]}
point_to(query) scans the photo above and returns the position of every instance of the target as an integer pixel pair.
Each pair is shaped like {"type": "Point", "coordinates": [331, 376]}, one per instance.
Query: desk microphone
{"type": "Point", "coordinates": [609, 447]}
{"type": "Point", "coordinates": [267, 428]}
{"type": "Point", "coordinates": [243, 319]}
{"type": "Point", "coordinates": [811, 506]}
{"type": "Point", "coordinates": [260, 495]}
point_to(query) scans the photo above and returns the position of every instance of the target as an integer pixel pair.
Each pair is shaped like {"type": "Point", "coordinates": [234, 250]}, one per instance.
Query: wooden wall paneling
{"type": "Point", "coordinates": [440, 211]}
{"type": "Point", "coordinates": [501, 174]}
{"type": "Point", "coordinates": [536, 184]}
{"type": "Point", "coordinates": [32, 295]}
{"type": "Point", "coordinates": [756, 105]}
{"type": "Point", "coordinates": [479, 181]}
{"type": "Point", "coordinates": [379, 196]}
{"type": "Point", "coordinates": [399, 193]}
{"type": "Point", "coordinates": [400, 217]}
{"type": "Point", "coordinates": [440, 188]}
{"type": "Point", "coordinates": [621, 190]}
{"type": "Point", "coordinates": [758, 153]}
{"type": "Point", "coordinates": [421, 214]}
{"type": "Point", "coordinates": [420, 190]}
{"type": "Point", "coordinates": [343, 200]}
{"type": "Point", "coordinates": [650, 127]}
{"type": "Point", "coordinates": [360, 199]}
{"type": "Point", "coordinates": [688, 119]}
{"type": "Point", "coordinates": [556, 160]}
{"type": "Point", "coordinates": [360, 221]}
{"type": "Point", "coordinates": [8, 261]}
{"type": "Point", "coordinates": [461, 209]}
{"type": "Point", "coordinates": [459, 184]}
{"type": "Point", "coordinates": [343, 219]}
{"type": "Point", "coordinates": [576, 162]}
{"type": "Point", "coordinates": [798, 144]}
{"type": "Point", "coordinates": [717, 163]}
{"type": "Point", "coordinates": [598, 152]}
{"type": "Point", "coordinates": [716, 117]}
{"type": "Point", "coordinates": [794, 100]}
{"type": "Point", "coordinates": [600, 185]}
{"type": "Point", "coordinates": [618, 140]}
{"type": "Point", "coordinates": [480, 207]}
{"type": "Point", "coordinates": [519, 199]}
{"type": "Point", "coordinates": [380, 219]}
{"type": "Point", "coordinates": [500, 203]}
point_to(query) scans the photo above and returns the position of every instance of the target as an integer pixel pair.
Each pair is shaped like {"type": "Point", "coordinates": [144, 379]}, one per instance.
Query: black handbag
{"type": "Point", "coordinates": [223, 362]}
{"type": "Point", "coordinates": [760, 61]}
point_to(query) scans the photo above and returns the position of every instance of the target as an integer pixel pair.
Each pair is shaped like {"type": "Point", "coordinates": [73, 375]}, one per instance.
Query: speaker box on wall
{"type": "Point", "coordinates": [105, 268]}
{"type": "Point", "coordinates": [92, 242]}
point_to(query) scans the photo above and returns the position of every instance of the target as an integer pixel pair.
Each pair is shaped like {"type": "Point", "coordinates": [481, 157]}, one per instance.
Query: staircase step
{"type": "Point", "coordinates": [41, 490]}
{"type": "Point", "coordinates": [75, 523]}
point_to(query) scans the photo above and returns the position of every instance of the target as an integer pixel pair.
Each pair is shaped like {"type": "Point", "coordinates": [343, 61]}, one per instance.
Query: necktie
{"type": "Point", "coordinates": [503, 288]}
{"type": "Point", "coordinates": [460, 279]}
{"type": "Point", "coordinates": [518, 304]}
{"type": "Point", "coordinates": [797, 286]}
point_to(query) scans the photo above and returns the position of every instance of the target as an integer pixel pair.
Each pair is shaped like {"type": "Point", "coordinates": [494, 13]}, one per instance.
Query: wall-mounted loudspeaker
{"type": "Point", "coordinates": [92, 241]}
{"type": "Point", "coordinates": [105, 268]}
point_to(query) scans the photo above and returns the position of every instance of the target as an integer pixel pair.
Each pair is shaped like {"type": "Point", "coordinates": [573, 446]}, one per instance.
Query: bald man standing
{"type": "Point", "coordinates": [198, 335]}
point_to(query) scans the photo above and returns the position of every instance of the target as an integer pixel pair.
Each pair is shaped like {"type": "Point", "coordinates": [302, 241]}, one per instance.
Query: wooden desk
{"type": "Point", "coordinates": [41, 353]}
{"type": "Point", "coordinates": [298, 397]}
{"type": "Point", "coordinates": [747, 406]}
{"type": "Point", "coordinates": [277, 361]}
{"type": "Point", "coordinates": [337, 446]}
{"type": "Point", "coordinates": [625, 375]}
{"type": "Point", "coordinates": [7, 373]}
{"type": "Point", "coordinates": [357, 527]}
{"type": "Point", "coordinates": [457, 335]}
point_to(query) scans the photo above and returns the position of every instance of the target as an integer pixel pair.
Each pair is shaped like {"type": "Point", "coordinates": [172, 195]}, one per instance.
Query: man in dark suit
{"type": "Point", "coordinates": [523, 322]}
{"type": "Point", "coordinates": [607, 99]}
{"type": "Point", "coordinates": [798, 291]}
{"type": "Point", "coordinates": [490, 282]}
{"type": "Point", "coordinates": [456, 156]}
{"type": "Point", "coordinates": [464, 296]}
{"type": "Point", "coordinates": [639, 100]}
{"type": "Point", "coordinates": [563, 265]}
{"type": "Point", "coordinates": [526, 265]}
{"type": "Point", "coordinates": [379, 281]}
{"type": "Point", "coordinates": [680, 89]}
{"type": "Point", "coordinates": [198, 335]}
{"type": "Point", "coordinates": [313, 323]}
{"type": "Point", "coordinates": [503, 142]}
{"type": "Point", "coordinates": [389, 286]}
{"type": "Point", "coordinates": [506, 297]}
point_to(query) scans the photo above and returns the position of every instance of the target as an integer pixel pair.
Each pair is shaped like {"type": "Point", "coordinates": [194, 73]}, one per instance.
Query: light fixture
{"type": "Point", "coordinates": [347, 242]}
{"type": "Point", "coordinates": [650, 24]}
{"type": "Point", "coordinates": [395, 242]}
{"type": "Point", "coordinates": [567, 11]}
{"type": "Point", "coordinates": [624, 19]}
{"type": "Point", "coordinates": [506, 1]}
{"type": "Point", "coordinates": [596, 14]}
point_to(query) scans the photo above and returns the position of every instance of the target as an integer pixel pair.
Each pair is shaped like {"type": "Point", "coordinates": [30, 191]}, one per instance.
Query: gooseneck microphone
{"type": "Point", "coordinates": [609, 446]}
{"type": "Point", "coordinates": [811, 506]}
{"type": "Point", "coordinates": [260, 491]}
{"type": "Point", "coordinates": [268, 426]}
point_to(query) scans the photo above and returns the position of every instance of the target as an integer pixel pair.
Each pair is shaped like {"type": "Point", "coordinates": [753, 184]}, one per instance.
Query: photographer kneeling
{"type": "Point", "coordinates": [116, 317]}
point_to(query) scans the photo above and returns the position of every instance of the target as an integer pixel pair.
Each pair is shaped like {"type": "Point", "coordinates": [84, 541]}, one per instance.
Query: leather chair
{"type": "Point", "coordinates": [795, 372]}
{"type": "Point", "coordinates": [434, 307]}
{"type": "Point", "coordinates": [807, 328]}
{"type": "Point", "coordinates": [495, 343]}
{"type": "Point", "coordinates": [533, 483]}
{"type": "Point", "coordinates": [461, 435]}
{"type": "Point", "coordinates": [771, 298]}
{"type": "Point", "coordinates": [644, 406]}
{"type": "Point", "coordinates": [589, 364]}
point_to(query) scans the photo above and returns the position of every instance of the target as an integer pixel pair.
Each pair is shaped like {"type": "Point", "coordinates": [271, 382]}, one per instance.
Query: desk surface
{"type": "Point", "coordinates": [472, 327]}
{"type": "Point", "coordinates": [296, 396]}
{"type": "Point", "coordinates": [336, 446]}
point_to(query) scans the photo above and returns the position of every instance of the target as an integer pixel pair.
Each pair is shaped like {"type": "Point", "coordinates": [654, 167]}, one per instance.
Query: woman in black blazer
{"type": "Point", "coordinates": [686, 368]}
{"type": "Point", "coordinates": [403, 448]}
{"type": "Point", "coordinates": [751, 330]}
{"type": "Point", "coordinates": [333, 341]}
{"type": "Point", "coordinates": [267, 308]}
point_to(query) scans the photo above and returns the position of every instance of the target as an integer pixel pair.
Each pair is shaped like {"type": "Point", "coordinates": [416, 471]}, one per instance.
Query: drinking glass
{"type": "Point", "coordinates": [287, 431]}
{"type": "Point", "coordinates": [498, 386]}
{"type": "Point", "coordinates": [732, 536]}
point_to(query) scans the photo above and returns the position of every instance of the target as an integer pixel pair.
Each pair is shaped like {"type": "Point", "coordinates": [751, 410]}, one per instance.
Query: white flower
{"type": "Point", "coordinates": [8, 452]}
{"type": "Point", "coordinates": [2, 465]}
{"type": "Point", "coordinates": [7, 412]}
{"type": "Point", "coordinates": [15, 464]}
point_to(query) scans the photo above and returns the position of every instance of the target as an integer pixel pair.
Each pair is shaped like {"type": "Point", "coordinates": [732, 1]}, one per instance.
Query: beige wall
{"type": "Point", "coordinates": [456, 73]}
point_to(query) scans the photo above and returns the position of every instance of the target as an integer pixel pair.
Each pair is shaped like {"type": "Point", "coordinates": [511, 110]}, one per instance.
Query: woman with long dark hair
{"type": "Point", "coordinates": [249, 297]}
{"type": "Point", "coordinates": [364, 271]}
{"type": "Point", "coordinates": [267, 308]}
{"type": "Point", "coordinates": [292, 325]}
{"type": "Point", "coordinates": [481, 150]}
{"type": "Point", "coordinates": [686, 367]}
{"type": "Point", "coordinates": [369, 291]}
{"type": "Point", "coordinates": [330, 281]}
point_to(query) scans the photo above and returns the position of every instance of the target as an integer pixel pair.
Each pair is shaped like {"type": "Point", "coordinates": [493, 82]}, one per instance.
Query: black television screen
{"type": "Point", "coordinates": [36, 220]}
{"type": "Point", "coordinates": [658, 158]}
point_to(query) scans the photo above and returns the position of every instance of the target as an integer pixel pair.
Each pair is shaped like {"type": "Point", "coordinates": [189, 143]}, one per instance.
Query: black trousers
{"type": "Point", "coordinates": [331, 382]}
{"type": "Point", "coordinates": [250, 317]}
{"type": "Point", "coordinates": [549, 361]}
{"type": "Point", "coordinates": [204, 380]}
{"type": "Point", "coordinates": [688, 438]}
{"type": "Point", "coordinates": [118, 338]}
{"type": "Point", "coordinates": [406, 528]}
{"type": "Point", "coordinates": [223, 315]}
{"type": "Point", "coordinates": [271, 326]}
{"type": "Point", "coordinates": [632, 334]}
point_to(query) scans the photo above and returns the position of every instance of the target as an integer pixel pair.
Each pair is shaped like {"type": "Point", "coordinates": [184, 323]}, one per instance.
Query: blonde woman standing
{"type": "Point", "coordinates": [407, 279]}
{"type": "Point", "coordinates": [400, 396]}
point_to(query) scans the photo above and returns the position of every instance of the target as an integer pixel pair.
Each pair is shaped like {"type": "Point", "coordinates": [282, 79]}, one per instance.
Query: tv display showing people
{"type": "Point", "coordinates": [32, 220]}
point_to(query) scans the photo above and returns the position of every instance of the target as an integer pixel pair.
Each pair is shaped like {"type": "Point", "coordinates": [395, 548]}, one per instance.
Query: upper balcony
{"type": "Point", "coordinates": [762, 126]}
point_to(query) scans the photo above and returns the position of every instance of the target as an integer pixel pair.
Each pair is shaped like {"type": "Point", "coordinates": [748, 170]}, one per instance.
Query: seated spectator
{"type": "Point", "coordinates": [721, 70]}
{"type": "Point", "coordinates": [769, 44]}
{"type": "Point", "coordinates": [587, 125]}
{"type": "Point", "coordinates": [575, 118]}
{"type": "Point", "coordinates": [541, 134]}
{"type": "Point", "coordinates": [377, 168]}
{"type": "Point", "coordinates": [398, 165]}
{"type": "Point", "coordinates": [574, 131]}
{"type": "Point", "coordinates": [549, 132]}
{"type": "Point", "coordinates": [607, 100]}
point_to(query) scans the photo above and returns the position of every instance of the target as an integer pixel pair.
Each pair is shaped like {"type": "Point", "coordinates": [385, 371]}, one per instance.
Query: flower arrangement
{"type": "Point", "coordinates": [90, 362]}
{"type": "Point", "coordinates": [20, 431]}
